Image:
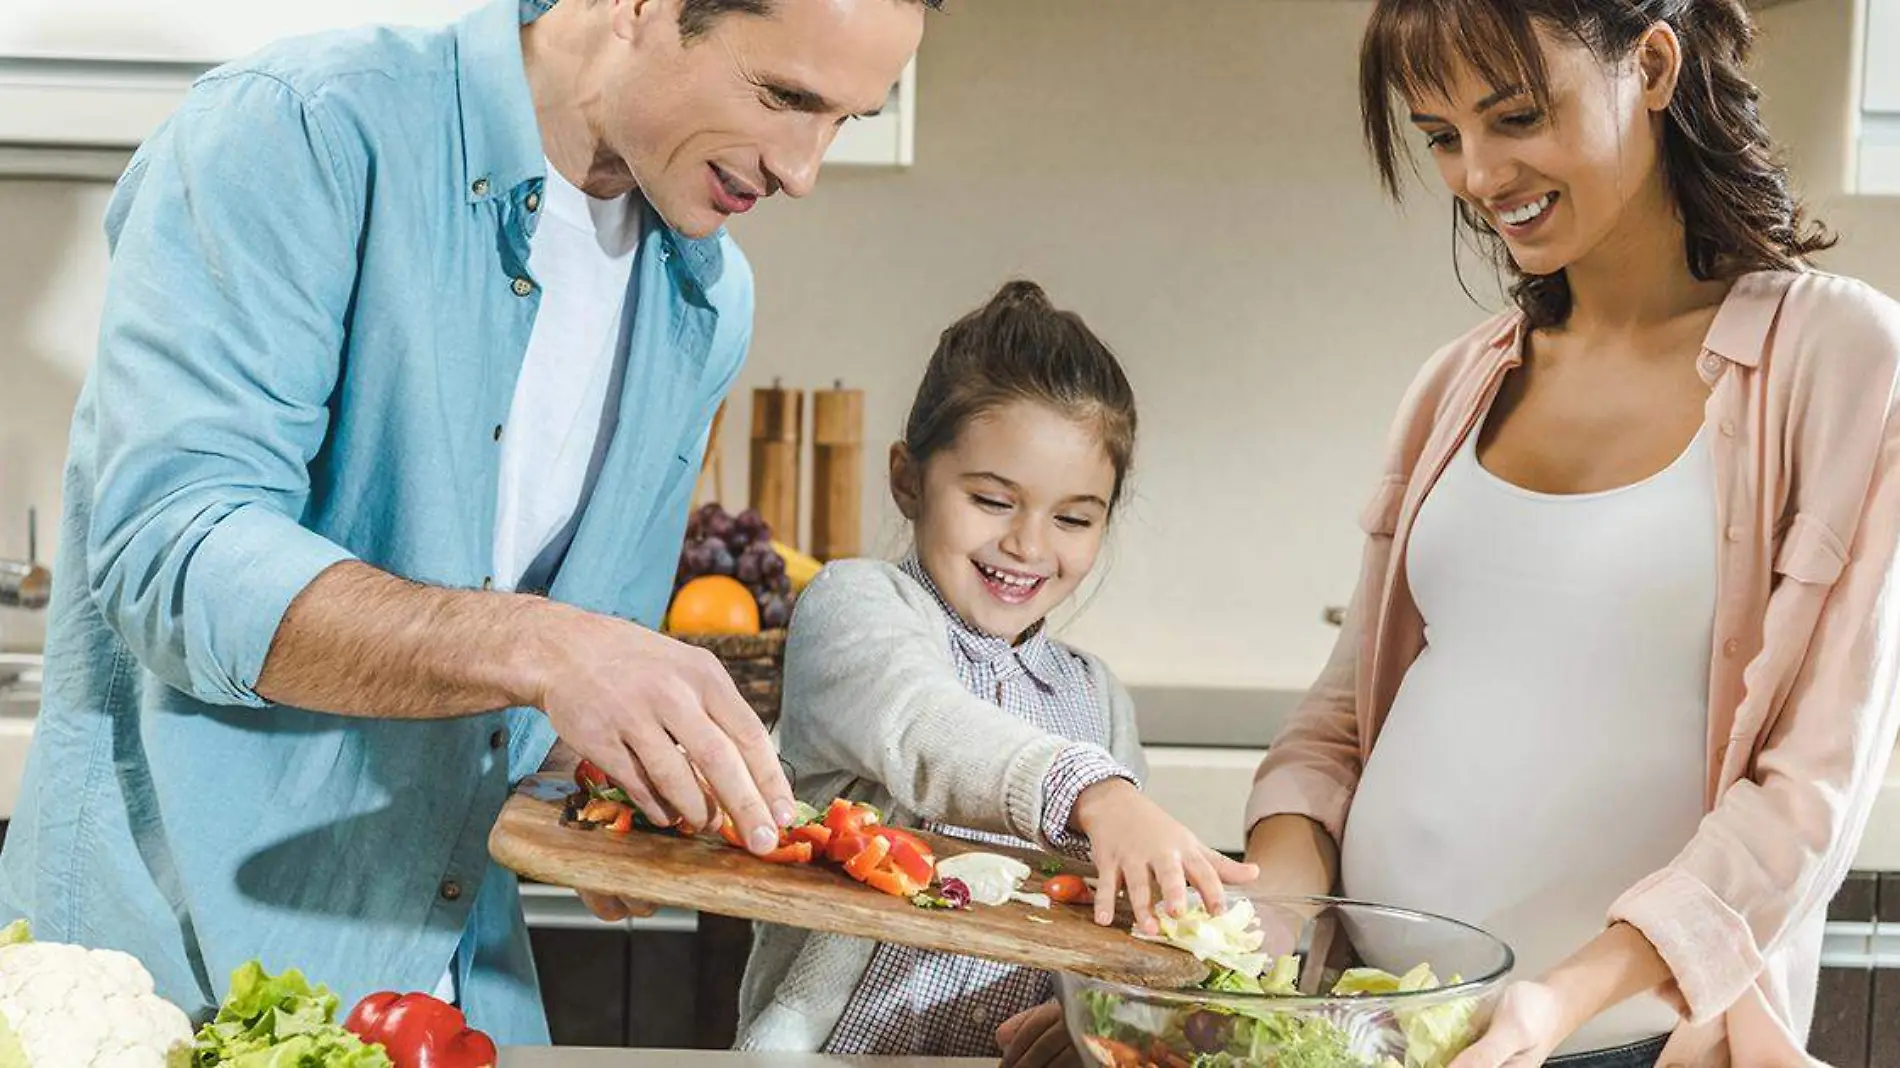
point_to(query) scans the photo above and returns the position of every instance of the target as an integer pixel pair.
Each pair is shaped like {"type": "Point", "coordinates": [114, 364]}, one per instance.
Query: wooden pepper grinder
{"type": "Point", "coordinates": [837, 472]}
{"type": "Point", "coordinates": [778, 428]}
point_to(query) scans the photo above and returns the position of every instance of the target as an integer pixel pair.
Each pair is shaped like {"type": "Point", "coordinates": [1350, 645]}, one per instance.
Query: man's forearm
{"type": "Point", "coordinates": [361, 642]}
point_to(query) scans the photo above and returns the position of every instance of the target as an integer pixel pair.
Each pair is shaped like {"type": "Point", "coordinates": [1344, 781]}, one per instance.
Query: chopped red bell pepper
{"type": "Point", "coordinates": [909, 854]}
{"type": "Point", "coordinates": [418, 1031]}
{"type": "Point", "coordinates": [845, 845]}
{"type": "Point", "coordinates": [730, 832]}
{"type": "Point", "coordinates": [845, 817]}
{"type": "Point", "coordinates": [589, 777]}
{"type": "Point", "coordinates": [791, 853]}
{"type": "Point", "coordinates": [817, 834]}
{"type": "Point", "coordinates": [868, 859]}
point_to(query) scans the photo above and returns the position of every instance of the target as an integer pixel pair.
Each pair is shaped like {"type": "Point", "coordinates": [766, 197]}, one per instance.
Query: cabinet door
{"type": "Point", "coordinates": [1886, 1008]}
{"type": "Point", "coordinates": [1844, 1000]}
{"type": "Point", "coordinates": [662, 978]}
{"type": "Point", "coordinates": [583, 983]}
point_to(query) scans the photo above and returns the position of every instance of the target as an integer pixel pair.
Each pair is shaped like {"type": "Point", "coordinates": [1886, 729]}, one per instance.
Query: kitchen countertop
{"type": "Point", "coordinates": [572, 1057]}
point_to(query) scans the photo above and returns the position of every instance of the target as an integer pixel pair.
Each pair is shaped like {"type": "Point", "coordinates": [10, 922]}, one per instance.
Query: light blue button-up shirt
{"type": "Point", "coordinates": [318, 305]}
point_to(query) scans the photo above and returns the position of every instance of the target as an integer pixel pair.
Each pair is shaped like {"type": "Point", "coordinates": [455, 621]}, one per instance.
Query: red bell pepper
{"type": "Point", "coordinates": [845, 845]}
{"type": "Point", "coordinates": [843, 817]}
{"type": "Point", "coordinates": [909, 854]}
{"type": "Point", "coordinates": [589, 777]}
{"type": "Point", "coordinates": [789, 853]}
{"type": "Point", "coordinates": [873, 867]}
{"type": "Point", "coordinates": [817, 834]}
{"type": "Point", "coordinates": [419, 1031]}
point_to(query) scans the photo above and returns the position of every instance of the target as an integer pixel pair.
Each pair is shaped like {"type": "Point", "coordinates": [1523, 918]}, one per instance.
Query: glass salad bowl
{"type": "Point", "coordinates": [1300, 983]}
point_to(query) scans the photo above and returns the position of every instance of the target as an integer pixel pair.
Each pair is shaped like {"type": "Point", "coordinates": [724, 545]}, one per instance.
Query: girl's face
{"type": "Point", "coordinates": [1010, 517]}
{"type": "Point", "coordinates": [1562, 183]}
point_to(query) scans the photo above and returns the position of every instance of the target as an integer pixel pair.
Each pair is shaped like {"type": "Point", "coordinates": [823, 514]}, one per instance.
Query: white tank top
{"type": "Point", "coordinates": [1546, 751]}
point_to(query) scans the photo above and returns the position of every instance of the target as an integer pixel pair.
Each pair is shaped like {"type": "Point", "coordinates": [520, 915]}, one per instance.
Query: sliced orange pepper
{"type": "Point", "coordinates": [869, 859]}
{"type": "Point", "coordinates": [622, 821]}
{"type": "Point", "coordinates": [794, 853]}
{"type": "Point", "coordinates": [909, 854]}
{"type": "Point", "coordinates": [894, 882]}
{"type": "Point", "coordinates": [817, 834]}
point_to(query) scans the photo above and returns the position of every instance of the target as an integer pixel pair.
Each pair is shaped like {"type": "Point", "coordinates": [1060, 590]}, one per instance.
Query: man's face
{"type": "Point", "coordinates": [710, 125]}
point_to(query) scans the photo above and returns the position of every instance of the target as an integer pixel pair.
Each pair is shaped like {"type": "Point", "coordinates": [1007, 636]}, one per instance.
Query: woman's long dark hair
{"type": "Point", "coordinates": [1722, 169]}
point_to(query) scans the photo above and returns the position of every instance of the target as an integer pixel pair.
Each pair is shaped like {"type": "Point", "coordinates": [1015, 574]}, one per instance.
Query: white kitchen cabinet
{"type": "Point", "coordinates": [82, 82]}
{"type": "Point", "coordinates": [1877, 149]}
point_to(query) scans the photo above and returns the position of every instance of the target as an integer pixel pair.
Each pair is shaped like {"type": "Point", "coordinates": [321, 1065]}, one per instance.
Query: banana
{"type": "Point", "coordinates": [799, 568]}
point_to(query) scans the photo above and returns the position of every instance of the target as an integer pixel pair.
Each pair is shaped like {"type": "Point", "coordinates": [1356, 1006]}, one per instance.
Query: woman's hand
{"type": "Point", "coordinates": [1534, 1018]}
{"type": "Point", "coordinates": [1037, 1039]}
{"type": "Point", "coordinates": [1138, 846]}
{"type": "Point", "coordinates": [1530, 1020]}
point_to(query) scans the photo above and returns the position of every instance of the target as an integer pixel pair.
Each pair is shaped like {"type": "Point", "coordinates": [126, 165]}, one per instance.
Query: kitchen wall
{"type": "Point", "coordinates": [1192, 183]}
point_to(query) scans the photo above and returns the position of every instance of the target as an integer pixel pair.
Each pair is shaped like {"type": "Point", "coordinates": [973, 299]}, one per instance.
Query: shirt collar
{"type": "Point", "coordinates": [1739, 333]}
{"type": "Point", "coordinates": [1035, 655]}
{"type": "Point", "coordinates": [501, 138]}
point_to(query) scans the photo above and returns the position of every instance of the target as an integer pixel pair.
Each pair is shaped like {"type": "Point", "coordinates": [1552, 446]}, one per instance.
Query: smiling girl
{"type": "Point", "coordinates": [933, 690]}
{"type": "Point", "coordinates": [1621, 673]}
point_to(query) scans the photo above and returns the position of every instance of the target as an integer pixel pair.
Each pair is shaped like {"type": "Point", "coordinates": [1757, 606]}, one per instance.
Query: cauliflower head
{"type": "Point", "coordinates": [69, 1007]}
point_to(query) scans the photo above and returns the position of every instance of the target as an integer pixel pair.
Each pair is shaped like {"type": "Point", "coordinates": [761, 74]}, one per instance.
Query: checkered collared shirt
{"type": "Point", "coordinates": [914, 1002]}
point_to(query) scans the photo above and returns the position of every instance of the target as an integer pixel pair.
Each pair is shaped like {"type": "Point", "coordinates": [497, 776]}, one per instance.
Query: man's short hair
{"type": "Point", "coordinates": [697, 16]}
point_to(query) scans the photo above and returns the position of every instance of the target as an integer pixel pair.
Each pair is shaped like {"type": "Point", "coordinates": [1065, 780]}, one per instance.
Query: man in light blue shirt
{"type": "Point", "coordinates": [284, 700]}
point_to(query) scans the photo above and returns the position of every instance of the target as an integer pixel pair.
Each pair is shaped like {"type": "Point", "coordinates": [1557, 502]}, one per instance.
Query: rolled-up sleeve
{"type": "Point", "coordinates": [1775, 846]}
{"type": "Point", "coordinates": [234, 260]}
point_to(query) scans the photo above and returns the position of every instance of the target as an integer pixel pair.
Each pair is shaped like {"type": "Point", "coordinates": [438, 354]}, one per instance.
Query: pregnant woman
{"type": "Point", "coordinates": [1619, 679]}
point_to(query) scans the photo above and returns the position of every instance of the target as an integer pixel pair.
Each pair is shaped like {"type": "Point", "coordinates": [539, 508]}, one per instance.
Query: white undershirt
{"type": "Point", "coordinates": [567, 397]}
{"type": "Point", "coordinates": [560, 422]}
{"type": "Point", "coordinates": [1546, 751]}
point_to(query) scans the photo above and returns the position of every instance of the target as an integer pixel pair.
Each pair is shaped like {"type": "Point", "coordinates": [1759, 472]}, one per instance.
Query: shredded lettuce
{"type": "Point", "coordinates": [280, 1022]}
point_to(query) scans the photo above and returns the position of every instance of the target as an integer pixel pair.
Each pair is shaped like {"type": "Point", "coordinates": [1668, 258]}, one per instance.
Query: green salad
{"type": "Point", "coordinates": [1246, 1033]}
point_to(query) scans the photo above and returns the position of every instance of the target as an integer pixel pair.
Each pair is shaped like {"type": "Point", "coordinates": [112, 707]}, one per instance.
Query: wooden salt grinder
{"type": "Point", "coordinates": [778, 426]}
{"type": "Point", "coordinates": [837, 472]}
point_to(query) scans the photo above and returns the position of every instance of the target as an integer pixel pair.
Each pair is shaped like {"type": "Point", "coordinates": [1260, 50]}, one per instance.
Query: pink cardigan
{"type": "Point", "coordinates": [1804, 675]}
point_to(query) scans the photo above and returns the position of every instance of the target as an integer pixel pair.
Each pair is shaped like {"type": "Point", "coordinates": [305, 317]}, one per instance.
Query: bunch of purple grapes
{"type": "Point", "coordinates": [718, 543]}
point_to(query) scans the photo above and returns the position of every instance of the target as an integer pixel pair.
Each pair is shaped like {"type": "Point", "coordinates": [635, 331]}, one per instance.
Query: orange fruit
{"type": "Point", "coordinates": [713, 604]}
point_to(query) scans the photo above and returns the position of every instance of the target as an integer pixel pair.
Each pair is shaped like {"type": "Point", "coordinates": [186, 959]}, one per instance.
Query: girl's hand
{"type": "Point", "coordinates": [1142, 848]}
{"type": "Point", "coordinates": [1037, 1039]}
{"type": "Point", "coordinates": [1531, 1019]}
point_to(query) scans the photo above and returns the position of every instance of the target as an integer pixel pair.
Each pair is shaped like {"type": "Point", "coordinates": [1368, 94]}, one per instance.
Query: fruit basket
{"type": "Point", "coordinates": [756, 663]}
{"type": "Point", "coordinates": [733, 596]}
{"type": "Point", "coordinates": [1325, 982]}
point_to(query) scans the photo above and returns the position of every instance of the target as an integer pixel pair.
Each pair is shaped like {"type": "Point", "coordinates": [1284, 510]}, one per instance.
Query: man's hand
{"type": "Point", "coordinates": [664, 721]}
{"type": "Point", "coordinates": [614, 909]}
{"type": "Point", "coordinates": [1037, 1039]}
{"type": "Point", "coordinates": [1140, 847]}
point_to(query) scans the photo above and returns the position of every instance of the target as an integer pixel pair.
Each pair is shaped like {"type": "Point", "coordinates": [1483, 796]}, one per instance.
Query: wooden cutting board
{"type": "Point", "coordinates": [707, 875]}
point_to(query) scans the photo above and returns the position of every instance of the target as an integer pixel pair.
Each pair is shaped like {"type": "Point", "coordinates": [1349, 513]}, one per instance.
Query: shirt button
{"type": "Point", "coordinates": [666, 254]}
{"type": "Point", "coordinates": [980, 1015]}
{"type": "Point", "coordinates": [1728, 428]}
{"type": "Point", "coordinates": [1711, 362]}
{"type": "Point", "coordinates": [522, 287]}
{"type": "Point", "coordinates": [497, 431]}
{"type": "Point", "coordinates": [1731, 647]}
{"type": "Point", "coordinates": [1733, 533]}
{"type": "Point", "coordinates": [480, 187]}
{"type": "Point", "coordinates": [534, 202]}
{"type": "Point", "coordinates": [451, 890]}
{"type": "Point", "coordinates": [498, 739]}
